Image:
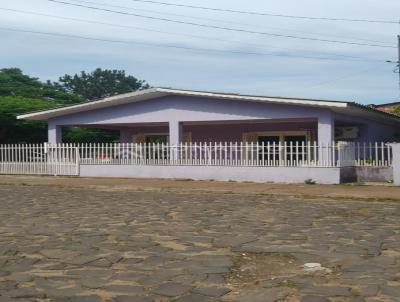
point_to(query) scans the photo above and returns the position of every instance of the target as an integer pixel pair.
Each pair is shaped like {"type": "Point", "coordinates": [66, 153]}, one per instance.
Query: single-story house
{"type": "Point", "coordinates": [174, 133]}
{"type": "Point", "coordinates": [174, 116]}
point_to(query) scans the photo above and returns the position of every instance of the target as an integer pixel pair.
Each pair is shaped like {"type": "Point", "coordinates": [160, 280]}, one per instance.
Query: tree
{"type": "Point", "coordinates": [21, 93]}
{"type": "Point", "coordinates": [100, 83]}
{"type": "Point", "coordinates": [14, 83]}
{"type": "Point", "coordinates": [21, 131]}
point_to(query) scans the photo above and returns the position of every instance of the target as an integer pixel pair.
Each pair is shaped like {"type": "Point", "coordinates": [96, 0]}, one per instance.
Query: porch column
{"type": "Point", "coordinates": [54, 133]}
{"type": "Point", "coordinates": [175, 138]}
{"type": "Point", "coordinates": [175, 132]}
{"type": "Point", "coordinates": [326, 135]}
{"type": "Point", "coordinates": [326, 128]}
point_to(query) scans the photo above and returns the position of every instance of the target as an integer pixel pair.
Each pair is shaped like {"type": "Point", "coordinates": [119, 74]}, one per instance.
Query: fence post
{"type": "Point", "coordinates": [346, 154]}
{"type": "Point", "coordinates": [396, 162]}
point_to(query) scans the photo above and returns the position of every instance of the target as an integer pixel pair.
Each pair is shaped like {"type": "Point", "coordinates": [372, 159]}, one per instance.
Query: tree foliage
{"type": "Point", "coordinates": [14, 83]}
{"type": "Point", "coordinates": [17, 131]}
{"type": "Point", "coordinates": [100, 83]}
{"type": "Point", "coordinates": [20, 93]}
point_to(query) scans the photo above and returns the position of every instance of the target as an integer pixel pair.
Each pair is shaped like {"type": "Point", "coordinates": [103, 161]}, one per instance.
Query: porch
{"type": "Point", "coordinates": [325, 129]}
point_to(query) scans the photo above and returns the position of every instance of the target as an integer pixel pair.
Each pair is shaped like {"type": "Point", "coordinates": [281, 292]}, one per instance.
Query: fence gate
{"type": "Point", "coordinates": [39, 159]}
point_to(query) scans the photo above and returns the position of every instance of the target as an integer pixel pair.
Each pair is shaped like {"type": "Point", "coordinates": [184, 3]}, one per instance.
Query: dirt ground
{"type": "Point", "coordinates": [126, 240]}
{"type": "Point", "coordinates": [357, 191]}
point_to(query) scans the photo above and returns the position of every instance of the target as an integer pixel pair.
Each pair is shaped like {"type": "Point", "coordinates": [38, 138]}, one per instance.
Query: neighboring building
{"type": "Point", "coordinates": [175, 116]}
{"type": "Point", "coordinates": [387, 107]}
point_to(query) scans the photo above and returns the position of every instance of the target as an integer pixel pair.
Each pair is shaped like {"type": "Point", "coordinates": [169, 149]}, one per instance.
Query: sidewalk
{"type": "Point", "coordinates": [376, 191]}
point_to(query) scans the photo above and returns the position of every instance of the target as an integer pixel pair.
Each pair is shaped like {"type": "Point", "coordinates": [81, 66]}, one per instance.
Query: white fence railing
{"type": "Point", "coordinates": [215, 154]}
{"type": "Point", "coordinates": [64, 159]}
{"type": "Point", "coordinates": [372, 154]}
{"type": "Point", "coordinates": [41, 159]}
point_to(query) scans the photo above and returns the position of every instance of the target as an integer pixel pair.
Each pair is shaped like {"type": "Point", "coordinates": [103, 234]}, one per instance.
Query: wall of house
{"type": "Point", "coordinates": [177, 109]}
{"type": "Point", "coordinates": [370, 131]}
{"type": "Point", "coordinates": [188, 109]}
{"type": "Point", "coordinates": [222, 132]}
{"type": "Point", "coordinates": [172, 111]}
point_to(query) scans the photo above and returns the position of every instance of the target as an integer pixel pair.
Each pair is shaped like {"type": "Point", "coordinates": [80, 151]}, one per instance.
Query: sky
{"type": "Point", "coordinates": [171, 54]}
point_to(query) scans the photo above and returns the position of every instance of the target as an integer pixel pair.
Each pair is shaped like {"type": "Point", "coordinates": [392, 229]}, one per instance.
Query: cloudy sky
{"type": "Point", "coordinates": [172, 54]}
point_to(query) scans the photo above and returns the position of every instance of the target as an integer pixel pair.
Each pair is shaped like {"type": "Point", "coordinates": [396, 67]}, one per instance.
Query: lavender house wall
{"type": "Point", "coordinates": [214, 120]}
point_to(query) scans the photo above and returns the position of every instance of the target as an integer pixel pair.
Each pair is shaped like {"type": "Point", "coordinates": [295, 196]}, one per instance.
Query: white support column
{"type": "Point", "coordinates": [326, 135]}
{"type": "Point", "coordinates": [54, 133]}
{"type": "Point", "coordinates": [175, 133]}
{"type": "Point", "coordinates": [326, 128]}
{"type": "Point", "coordinates": [175, 138]}
{"type": "Point", "coordinates": [396, 163]}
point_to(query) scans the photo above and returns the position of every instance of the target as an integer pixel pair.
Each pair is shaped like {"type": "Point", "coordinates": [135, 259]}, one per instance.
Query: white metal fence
{"type": "Point", "coordinates": [64, 159]}
{"type": "Point", "coordinates": [216, 154]}
{"type": "Point", "coordinates": [41, 159]}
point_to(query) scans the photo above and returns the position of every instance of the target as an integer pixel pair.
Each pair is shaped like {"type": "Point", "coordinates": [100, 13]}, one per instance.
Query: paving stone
{"type": "Point", "coordinates": [93, 283]}
{"type": "Point", "coordinates": [125, 289]}
{"type": "Point", "coordinates": [63, 293]}
{"type": "Point", "coordinates": [133, 299]}
{"type": "Point", "coordinates": [233, 241]}
{"type": "Point", "coordinates": [81, 259]}
{"type": "Point", "coordinates": [194, 298]}
{"type": "Point", "coordinates": [212, 291]}
{"type": "Point", "coordinates": [20, 277]}
{"type": "Point", "coordinates": [171, 289]}
{"type": "Point", "coordinates": [58, 253]}
{"type": "Point", "coordinates": [114, 258]}
{"type": "Point", "coordinates": [92, 298]}
{"type": "Point", "coordinates": [51, 282]}
{"type": "Point", "coordinates": [330, 291]}
{"type": "Point", "coordinates": [389, 290]}
{"type": "Point", "coordinates": [24, 292]}
{"type": "Point", "coordinates": [8, 299]}
{"type": "Point", "coordinates": [130, 276]}
{"type": "Point", "coordinates": [370, 290]}
{"type": "Point", "coordinates": [260, 294]}
{"type": "Point", "coordinates": [314, 299]}
{"type": "Point", "coordinates": [100, 263]}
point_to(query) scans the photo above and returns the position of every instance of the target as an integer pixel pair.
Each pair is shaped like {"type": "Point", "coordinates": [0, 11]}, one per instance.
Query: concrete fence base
{"type": "Point", "coordinates": [396, 163]}
{"type": "Point", "coordinates": [220, 173]}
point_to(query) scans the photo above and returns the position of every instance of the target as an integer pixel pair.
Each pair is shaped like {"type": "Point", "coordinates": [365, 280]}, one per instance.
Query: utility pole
{"type": "Point", "coordinates": [398, 58]}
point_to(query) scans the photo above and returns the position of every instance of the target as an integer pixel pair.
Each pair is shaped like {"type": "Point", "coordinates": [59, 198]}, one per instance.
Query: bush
{"type": "Point", "coordinates": [310, 181]}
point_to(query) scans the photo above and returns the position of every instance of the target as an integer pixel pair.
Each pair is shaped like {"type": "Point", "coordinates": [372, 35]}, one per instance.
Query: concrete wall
{"type": "Point", "coordinates": [366, 174]}
{"type": "Point", "coordinates": [254, 174]}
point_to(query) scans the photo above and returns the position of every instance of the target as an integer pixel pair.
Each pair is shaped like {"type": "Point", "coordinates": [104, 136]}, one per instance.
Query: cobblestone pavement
{"type": "Point", "coordinates": [66, 244]}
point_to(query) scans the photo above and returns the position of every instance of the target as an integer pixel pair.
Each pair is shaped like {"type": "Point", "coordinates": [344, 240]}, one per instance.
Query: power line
{"type": "Point", "coordinates": [170, 46]}
{"type": "Point", "coordinates": [266, 14]}
{"type": "Point", "coordinates": [226, 22]}
{"type": "Point", "coordinates": [220, 27]}
{"type": "Point", "coordinates": [164, 32]}
{"type": "Point", "coordinates": [343, 77]}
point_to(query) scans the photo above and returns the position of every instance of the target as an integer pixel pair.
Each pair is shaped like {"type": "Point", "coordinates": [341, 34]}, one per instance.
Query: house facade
{"type": "Point", "coordinates": [171, 133]}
